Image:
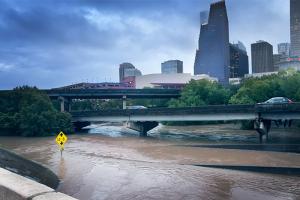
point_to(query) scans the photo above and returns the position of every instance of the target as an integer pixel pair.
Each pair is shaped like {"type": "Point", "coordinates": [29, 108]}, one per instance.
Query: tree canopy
{"type": "Point", "coordinates": [201, 92]}
{"type": "Point", "coordinates": [27, 111]}
{"type": "Point", "coordinates": [255, 90]}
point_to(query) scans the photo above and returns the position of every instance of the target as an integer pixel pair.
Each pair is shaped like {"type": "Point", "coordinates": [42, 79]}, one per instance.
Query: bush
{"type": "Point", "coordinates": [199, 93]}
{"type": "Point", "coordinates": [27, 111]}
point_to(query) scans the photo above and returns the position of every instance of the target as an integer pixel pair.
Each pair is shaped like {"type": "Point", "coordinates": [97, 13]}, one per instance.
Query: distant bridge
{"type": "Point", "coordinates": [66, 95]}
{"type": "Point", "coordinates": [144, 120]}
{"type": "Point", "coordinates": [109, 93]}
{"type": "Point", "coordinates": [113, 93]}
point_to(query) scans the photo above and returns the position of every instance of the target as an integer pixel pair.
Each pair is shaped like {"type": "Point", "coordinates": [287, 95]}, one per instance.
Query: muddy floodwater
{"type": "Point", "coordinates": [112, 162]}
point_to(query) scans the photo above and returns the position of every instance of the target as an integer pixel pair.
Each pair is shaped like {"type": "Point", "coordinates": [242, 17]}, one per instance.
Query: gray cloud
{"type": "Point", "coordinates": [51, 43]}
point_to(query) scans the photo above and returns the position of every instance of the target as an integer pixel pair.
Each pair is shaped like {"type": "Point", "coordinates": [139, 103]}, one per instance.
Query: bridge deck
{"type": "Point", "coordinates": [205, 113]}
{"type": "Point", "coordinates": [113, 93]}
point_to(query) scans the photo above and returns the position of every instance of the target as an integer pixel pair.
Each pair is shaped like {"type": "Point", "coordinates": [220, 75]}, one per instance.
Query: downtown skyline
{"type": "Point", "coordinates": [86, 41]}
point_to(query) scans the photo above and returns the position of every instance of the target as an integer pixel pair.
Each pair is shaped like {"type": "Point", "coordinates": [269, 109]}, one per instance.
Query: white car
{"type": "Point", "coordinates": [136, 107]}
{"type": "Point", "coordinates": [277, 100]}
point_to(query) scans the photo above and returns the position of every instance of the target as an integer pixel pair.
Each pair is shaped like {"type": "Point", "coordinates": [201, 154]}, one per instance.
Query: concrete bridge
{"type": "Point", "coordinates": [144, 120]}
{"type": "Point", "coordinates": [66, 95]}
{"type": "Point", "coordinates": [113, 93]}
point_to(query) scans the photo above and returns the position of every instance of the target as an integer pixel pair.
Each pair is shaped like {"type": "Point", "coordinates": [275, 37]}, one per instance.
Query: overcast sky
{"type": "Point", "coordinates": [52, 43]}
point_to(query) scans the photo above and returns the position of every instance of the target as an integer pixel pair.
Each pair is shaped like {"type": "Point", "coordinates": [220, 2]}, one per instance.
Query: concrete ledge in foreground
{"type": "Point", "coordinates": [27, 168]}
{"type": "Point", "coordinates": [16, 187]}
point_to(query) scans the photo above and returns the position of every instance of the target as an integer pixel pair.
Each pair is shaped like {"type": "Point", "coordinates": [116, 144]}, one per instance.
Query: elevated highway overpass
{"type": "Point", "coordinates": [205, 113]}
{"type": "Point", "coordinates": [144, 120]}
{"type": "Point", "coordinates": [113, 93]}
{"type": "Point", "coordinates": [66, 95]}
{"type": "Point", "coordinates": [109, 93]}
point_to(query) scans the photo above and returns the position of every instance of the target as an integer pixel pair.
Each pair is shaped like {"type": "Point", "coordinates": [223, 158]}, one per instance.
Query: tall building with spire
{"type": "Point", "coordinates": [212, 56]}
{"type": "Point", "coordinates": [295, 27]}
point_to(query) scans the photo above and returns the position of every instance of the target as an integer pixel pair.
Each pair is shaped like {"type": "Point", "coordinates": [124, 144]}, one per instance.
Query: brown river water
{"type": "Point", "coordinates": [111, 162]}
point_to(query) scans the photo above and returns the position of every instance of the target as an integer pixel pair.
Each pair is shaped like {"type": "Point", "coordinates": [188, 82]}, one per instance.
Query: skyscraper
{"type": "Point", "coordinates": [241, 46]}
{"type": "Point", "coordinates": [262, 57]}
{"type": "Point", "coordinates": [172, 67]}
{"type": "Point", "coordinates": [212, 56]}
{"type": "Point", "coordinates": [284, 49]}
{"type": "Point", "coordinates": [132, 72]}
{"type": "Point", "coordinates": [204, 17]}
{"type": "Point", "coordinates": [239, 64]}
{"type": "Point", "coordinates": [122, 69]}
{"type": "Point", "coordinates": [295, 27]}
{"type": "Point", "coordinates": [276, 61]}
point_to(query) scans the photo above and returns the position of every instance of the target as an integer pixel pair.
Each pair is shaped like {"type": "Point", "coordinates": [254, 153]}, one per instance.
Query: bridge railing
{"type": "Point", "coordinates": [271, 108]}
{"type": "Point", "coordinates": [212, 109]}
{"type": "Point", "coordinates": [170, 111]}
{"type": "Point", "coordinates": [113, 93]}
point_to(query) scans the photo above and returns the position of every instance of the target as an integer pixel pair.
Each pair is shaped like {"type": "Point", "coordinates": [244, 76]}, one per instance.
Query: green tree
{"type": "Point", "coordinates": [96, 104]}
{"type": "Point", "coordinates": [27, 111]}
{"type": "Point", "coordinates": [201, 92]}
{"type": "Point", "coordinates": [290, 84]}
{"type": "Point", "coordinates": [255, 90]}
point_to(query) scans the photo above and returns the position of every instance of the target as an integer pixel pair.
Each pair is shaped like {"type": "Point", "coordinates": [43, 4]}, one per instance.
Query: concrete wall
{"type": "Point", "coordinates": [28, 168]}
{"type": "Point", "coordinates": [16, 187]}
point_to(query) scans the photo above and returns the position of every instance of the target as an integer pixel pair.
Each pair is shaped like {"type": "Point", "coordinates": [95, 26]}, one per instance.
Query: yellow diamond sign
{"type": "Point", "coordinates": [61, 139]}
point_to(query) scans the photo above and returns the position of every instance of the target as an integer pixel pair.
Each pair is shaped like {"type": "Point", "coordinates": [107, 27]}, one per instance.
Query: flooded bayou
{"type": "Point", "coordinates": [112, 162]}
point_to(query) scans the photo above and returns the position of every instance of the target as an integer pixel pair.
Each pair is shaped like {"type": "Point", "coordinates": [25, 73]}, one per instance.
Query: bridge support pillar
{"type": "Point", "coordinates": [69, 106]}
{"type": "Point", "coordinates": [124, 102]}
{"type": "Point", "coordinates": [142, 127]}
{"type": "Point", "coordinates": [64, 103]}
{"type": "Point", "coordinates": [263, 128]}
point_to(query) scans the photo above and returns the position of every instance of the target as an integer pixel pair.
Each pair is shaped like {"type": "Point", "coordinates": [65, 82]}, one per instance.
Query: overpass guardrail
{"type": "Point", "coordinates": [169, 111]}
{"type": "Point", "coordinates": [113, 93]}
{"type": "Point", "coordinates": [212, 109]}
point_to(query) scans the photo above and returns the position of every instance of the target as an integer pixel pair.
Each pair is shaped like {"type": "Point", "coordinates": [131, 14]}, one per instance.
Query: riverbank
{"type": "Point", "coordinates": [27, 168]}
{"type": "Point", "coordinates": [16, 187]}
{"type": "Point", "coordinates": [23, 179]}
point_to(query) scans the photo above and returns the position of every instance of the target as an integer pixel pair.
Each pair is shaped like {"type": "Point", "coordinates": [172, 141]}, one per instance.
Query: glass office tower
{"type": "Point", "coordinates": [239, 64]}
{"type": "Point", "coordinates": [295, 28]}
{"type": "Point", "coordinates": [212, 56]}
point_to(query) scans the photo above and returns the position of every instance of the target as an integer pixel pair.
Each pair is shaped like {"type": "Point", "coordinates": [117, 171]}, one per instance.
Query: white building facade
{"type": "Point", "coordinates": [151, 80]}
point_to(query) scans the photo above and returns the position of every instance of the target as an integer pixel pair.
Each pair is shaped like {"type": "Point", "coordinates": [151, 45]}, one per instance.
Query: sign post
{"type": "Point", "coordinates": [61, 139]}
